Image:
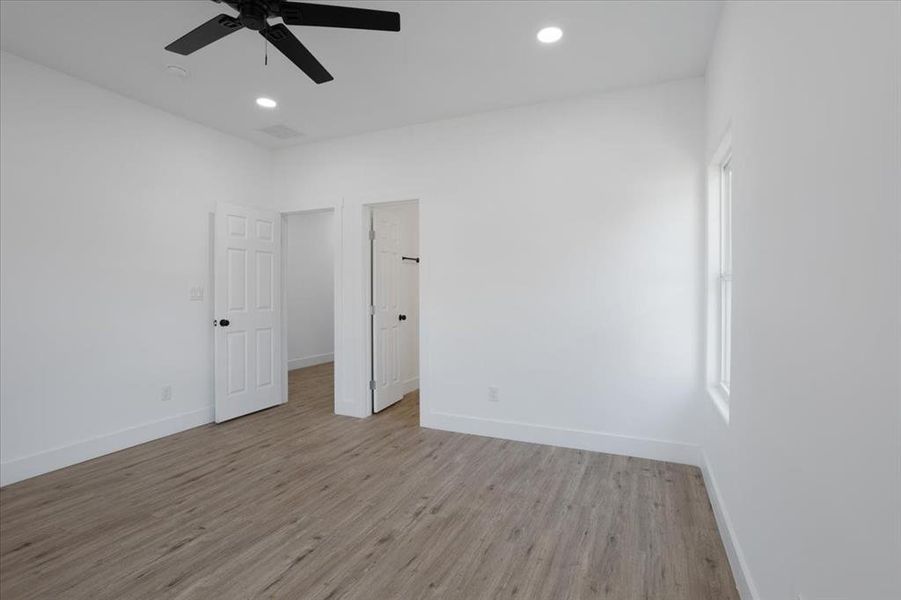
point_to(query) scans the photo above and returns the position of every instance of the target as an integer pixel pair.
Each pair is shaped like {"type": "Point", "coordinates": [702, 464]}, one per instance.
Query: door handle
{"type": "Point", "coordinates": [401, 317]}
{"type": "Point", "coordinates": [222, 322]}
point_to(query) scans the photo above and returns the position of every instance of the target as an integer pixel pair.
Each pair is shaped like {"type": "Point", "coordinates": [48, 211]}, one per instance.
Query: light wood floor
{"type": "Point", "coordinates": [295, 502]}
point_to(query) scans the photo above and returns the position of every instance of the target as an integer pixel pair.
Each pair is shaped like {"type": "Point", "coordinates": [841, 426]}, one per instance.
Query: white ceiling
{"type": "Point", "coordinates": [450, 59]}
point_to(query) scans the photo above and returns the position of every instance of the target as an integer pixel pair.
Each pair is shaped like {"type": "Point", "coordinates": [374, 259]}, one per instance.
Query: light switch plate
{"type": "Point", "coordinates": [196, 293]}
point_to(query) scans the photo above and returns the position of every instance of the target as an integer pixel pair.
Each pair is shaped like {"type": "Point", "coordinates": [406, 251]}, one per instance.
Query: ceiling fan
{"type": "Point", "coordinates": [255, 15]}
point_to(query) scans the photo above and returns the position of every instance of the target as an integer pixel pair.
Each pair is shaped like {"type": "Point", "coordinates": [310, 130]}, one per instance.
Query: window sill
{"type": "Point", "coordinates": [720, 400]}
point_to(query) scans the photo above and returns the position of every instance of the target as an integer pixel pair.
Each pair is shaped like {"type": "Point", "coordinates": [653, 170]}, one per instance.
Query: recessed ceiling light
{"type": "Point", "coordinates": [266, 102]}
{"type": "Point", "coordinates": [549, 35]}
{"type": "Point", "coordinates": [177, 71]}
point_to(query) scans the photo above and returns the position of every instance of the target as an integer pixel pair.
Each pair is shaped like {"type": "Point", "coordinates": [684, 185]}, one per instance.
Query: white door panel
{"type": "Point", "coordinates": [386, 323]}
{"type": "Point", "coordinates": [246, 259]}
{"type": "Point", "coordinates": [409, 297]}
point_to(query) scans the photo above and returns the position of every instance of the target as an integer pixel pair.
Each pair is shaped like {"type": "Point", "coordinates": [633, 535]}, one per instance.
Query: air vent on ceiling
{"type": "Point", "coordinates": [282, 132]}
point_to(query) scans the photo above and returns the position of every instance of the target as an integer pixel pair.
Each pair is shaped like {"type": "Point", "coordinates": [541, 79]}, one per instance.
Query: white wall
{"type": "Point", "coordinates": [809, 466]}
{"type": "Point", "coordinates": [310, 268]}
{"type": "Point", "coordinates": [561, 263]}
{"type": "Point", "coordinates": [105, 227]}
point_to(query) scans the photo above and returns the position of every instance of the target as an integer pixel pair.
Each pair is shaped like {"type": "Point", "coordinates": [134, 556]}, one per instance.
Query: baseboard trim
{"type": "Point", "coordinates": [309, 361]}
{"type": "Point", "coordinates": [580, 439]}
{"type": "Point", "coordinates": [410, 385]}
{"type": "Point", "coordinates": [26, 467]}
{"type": "Point", "coordinates": [740, 571]}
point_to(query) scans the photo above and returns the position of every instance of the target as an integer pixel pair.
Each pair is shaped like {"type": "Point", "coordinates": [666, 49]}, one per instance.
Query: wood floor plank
{"type": "Point", "coordinates": [296, 502]}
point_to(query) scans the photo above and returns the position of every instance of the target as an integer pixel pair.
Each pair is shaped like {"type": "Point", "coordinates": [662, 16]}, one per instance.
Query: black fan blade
{"type": "Point", "coordinates": [214, 29]}
{"type": "Point", "coordinates": [290, 46]}
{"type": "Point", "coordinates": [326, 15]}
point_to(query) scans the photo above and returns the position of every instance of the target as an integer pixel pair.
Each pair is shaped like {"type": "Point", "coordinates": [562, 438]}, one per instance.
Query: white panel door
{"type": "Point", "coordinates": [247, 301]}
{"type": "Point", "coordinates": [409, 296]}
{"type": "Point", "coordinates": [386, 321]}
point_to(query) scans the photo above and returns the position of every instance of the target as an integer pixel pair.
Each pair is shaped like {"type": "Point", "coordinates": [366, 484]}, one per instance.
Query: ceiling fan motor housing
{"type": "Point", "coordinates": [254, 14]}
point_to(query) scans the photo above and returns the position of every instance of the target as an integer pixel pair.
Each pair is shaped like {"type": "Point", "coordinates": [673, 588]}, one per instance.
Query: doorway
{"type": "Point", "coordinates": [393, 302]}
{"type": "Point", "coordinates": [309, 301]}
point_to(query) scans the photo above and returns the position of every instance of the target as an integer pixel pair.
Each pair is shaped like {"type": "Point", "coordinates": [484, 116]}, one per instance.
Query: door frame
{"type": "Point", "coordinates": [368, 372]}
{"type": "Point", "coordinates": [351, 393]}
{"type": "Point", "coordinates": [337, 291]}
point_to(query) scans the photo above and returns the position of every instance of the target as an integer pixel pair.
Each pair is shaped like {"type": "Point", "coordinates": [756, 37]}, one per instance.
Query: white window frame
{"type": "Point", "coordinates": [725, 274]}
{"type": "Point", "coordinates": [719, 276]}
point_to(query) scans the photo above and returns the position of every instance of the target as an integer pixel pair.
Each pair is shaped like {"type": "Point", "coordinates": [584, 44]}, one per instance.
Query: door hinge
{"type": "Point", "coordinates": [372, 234]}
{"type": "Point", "coordinates": [372, 385]}
{"type": "Point", "coordinates": [371, 310]}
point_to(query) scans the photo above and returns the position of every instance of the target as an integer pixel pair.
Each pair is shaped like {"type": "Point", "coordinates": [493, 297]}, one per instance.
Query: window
{"type": "Point", "coordinates": [725, 261]}
{"type": "Point", "coordinates": [719, 277]}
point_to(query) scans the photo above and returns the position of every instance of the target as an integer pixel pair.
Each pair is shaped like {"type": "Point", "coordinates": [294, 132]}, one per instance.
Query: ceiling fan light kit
{"type": "Point", "coordinates": [255, 15]}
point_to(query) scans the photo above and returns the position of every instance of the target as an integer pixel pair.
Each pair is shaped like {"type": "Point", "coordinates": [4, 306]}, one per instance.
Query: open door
{"type": "Point", "coordinates": [387, 385]}
{"type": "Point", "coordinates": [247, 302]}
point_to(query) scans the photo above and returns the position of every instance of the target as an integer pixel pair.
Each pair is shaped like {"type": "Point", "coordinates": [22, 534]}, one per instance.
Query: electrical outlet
{"type": "Point", "coordinates": [196, 293]}
{"type": "Point", "coordinates": [166, 393]}
{"type": "Point", "coordinates": [493, 393]}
